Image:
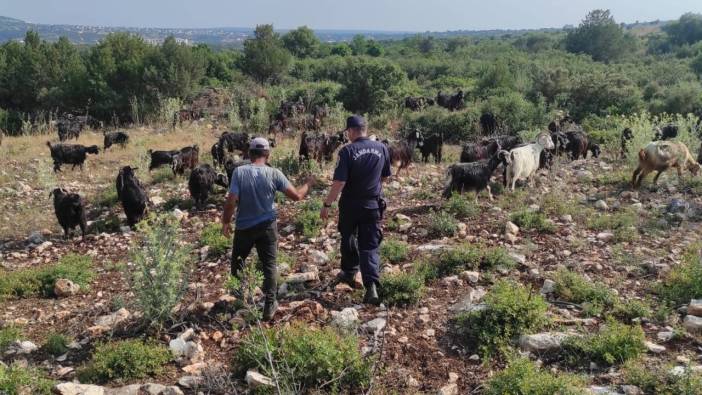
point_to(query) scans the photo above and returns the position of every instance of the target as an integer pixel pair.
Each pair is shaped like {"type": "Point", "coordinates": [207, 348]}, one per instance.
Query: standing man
{"type": "Point", "coordinates": [362, 167]}
{"type": "Point", "coordinates": [251, 193]}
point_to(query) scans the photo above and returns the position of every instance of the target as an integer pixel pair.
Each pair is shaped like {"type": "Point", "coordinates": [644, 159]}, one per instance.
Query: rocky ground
{"type": "Point", "coordinates": [413, 346]}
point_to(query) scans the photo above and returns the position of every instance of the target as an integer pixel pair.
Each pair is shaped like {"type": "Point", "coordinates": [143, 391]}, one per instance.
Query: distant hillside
{"type": "Point", "coordinates": [15, 29]}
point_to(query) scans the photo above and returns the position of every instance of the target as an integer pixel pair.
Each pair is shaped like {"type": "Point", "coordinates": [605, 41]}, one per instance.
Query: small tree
{"type": "Point", "coordinates": [600, 37]}
{"type": "Point", "coordinates": [160, 272]}
{"type": "Point", "coordinates": [265, 58]}
{"type": "Point", "coordinates": [302, 42]}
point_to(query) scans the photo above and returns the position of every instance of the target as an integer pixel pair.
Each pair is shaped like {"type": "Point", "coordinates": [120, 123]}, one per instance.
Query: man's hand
{"type": "Point", "coordinates": [227, 230]}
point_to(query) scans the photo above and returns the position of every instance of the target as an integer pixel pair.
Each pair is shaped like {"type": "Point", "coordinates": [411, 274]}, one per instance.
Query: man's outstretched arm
{"type": "Point", "coordinates": [228, 213]}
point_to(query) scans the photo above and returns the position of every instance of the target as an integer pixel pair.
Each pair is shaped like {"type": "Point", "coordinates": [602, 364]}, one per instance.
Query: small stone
{"type": "Point", "coordinates": [256, 380]}
{"type": "Point", "coordinates": [430, 332]}
{"type": "Point", "coordinates": [471, 277]}
{"type": "Point", "coordinates": [453, 377]}
{"type": "Point", "coordinates": [665, 336]}
{"type": "Point", "coordinates": [549, 287]}
{"type": "Point", "coordinates": [217, 336]}
{"type": "Point", "coordinates": [21, 347]}
{"type": "Point", "coordinates": [412, 382]}
{"type": "Point", "coordinates": [632, 390]}
{"type": "Point", "coordinates": [605, 236]}
{"type": "Point", "coordinates": [512, 239]}
{"type": "Point", "coordinates": [567, 218]}
{"type": "Point", "coordinates": [451, 389]}
{"type": "Point", "coordinates": [299, 278]}
{"type": "Point", "coordinates": [190, 381]}
{"type": "Point", "coordinates": [693, 323]}
{"type": "Point", "coordinates": [319, 257]}
{"type": "Point", "coordinates": [601, 205]}
{"type": "Point", "coordinates": [346, 320]}
{"type": "Point", "coordinates": [695, 307]}
{"type": "Point", "coordinates": [511, 228]}
{"type": "Point", "coordinates": [179, 214]}
{"type": "Point", "coordinates": [64, 288]}
{"type": "Point", "coordinates": [375, 326]}
{"type": "Point", "coordinates": [542, 342]}
{"type": "Point", "coordinates": [655, 348]}
{"type": "Point", "coordinates": [78, 389]}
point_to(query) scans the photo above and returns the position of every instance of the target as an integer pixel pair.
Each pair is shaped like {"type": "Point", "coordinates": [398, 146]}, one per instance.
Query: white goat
{"type": "Point", "coordinates": [523, 162]}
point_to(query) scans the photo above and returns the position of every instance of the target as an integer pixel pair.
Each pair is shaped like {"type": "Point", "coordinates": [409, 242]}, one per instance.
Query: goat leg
{"type": "Point", "coordinates": [489, 193]}
{"type": "Point", "coordinates": [655, 179]}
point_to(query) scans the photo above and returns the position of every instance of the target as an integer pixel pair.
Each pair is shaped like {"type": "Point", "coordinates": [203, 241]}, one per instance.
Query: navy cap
{"type": "Point", "coordinates": [355, 121]}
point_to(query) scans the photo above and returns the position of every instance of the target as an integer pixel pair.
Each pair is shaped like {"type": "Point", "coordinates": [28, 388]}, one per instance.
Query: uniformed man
{"type": "Point", "coordinates": [362, 167]}
{"type": "Point", "coordinates": [253, 187]}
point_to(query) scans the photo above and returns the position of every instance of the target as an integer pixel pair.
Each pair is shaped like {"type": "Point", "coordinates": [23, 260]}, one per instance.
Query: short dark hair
{"type": "Point", "coordinates": [258, 153]}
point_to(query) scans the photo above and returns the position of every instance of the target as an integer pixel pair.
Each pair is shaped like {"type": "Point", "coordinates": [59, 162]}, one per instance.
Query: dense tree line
{"type": "Point", "coordinates": [594, 70]}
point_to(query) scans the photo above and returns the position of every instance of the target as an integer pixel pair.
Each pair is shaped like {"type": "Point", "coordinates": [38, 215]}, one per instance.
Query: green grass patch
{"type": "Point", "coordinates": [684, 281]}
{"type": "Point", "coordinates": [7, 336]}
{"type": "Point", "coordinates": [178, 203]}
{"type": "Point", "coordinates": [466, 257]}
{"type": "Point", "coordinates": [402, 289]}
{"type": "Point", "coordinates": [594, 297]}
{"type": "Point", "coordinates": [660, 380]}
{"type": "Point", "coordinates": [394, 251]}
{"type": "Point", "coordinates": [212, 237]}
{"type": "Point", "coordinates": [524, 377]}
{"type": "Point", "coordinates": [631, 309]}
{"type": "Point", "coordinates": [124, 360]}
{"type": "Point", "coordinates": [107, 197]}
{"type": "Point", "coordinates": [307, 220]}
{"type": "Point", "coordinates": [614, 344]}
{"type": "Point", "coordinates": [40, 281]}
{"type": "Point", "coordinates": [461, 207]}
{"type": "Point", "coordinates": [162, 175]}
{"type": "Point", "coordinates": [532, 220]}
{"type": "Point", "coordinates": [511, 309]}
{"type": "Point", "coordinates": [18, 380]}
{"type": "Point", "coordinates": [306, 359]}
{"type": "Point", "coordinates": [56, 344]}
{"type": "Point", "coordinates": [621, 223]}
{"type": "Point", "coordinates": [442, 224]}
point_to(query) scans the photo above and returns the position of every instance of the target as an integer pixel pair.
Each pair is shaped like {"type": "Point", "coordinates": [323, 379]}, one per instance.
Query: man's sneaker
{"type": "Point", "coordinates": [269, 310]}
{"type": "Point", "coordinates": [346, 278]}
{"type": "Point", "coordinates": [372, 295]}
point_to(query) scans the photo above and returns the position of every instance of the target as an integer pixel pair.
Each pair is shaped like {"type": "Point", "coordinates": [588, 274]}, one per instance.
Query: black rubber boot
{"type": "Point", "coordinates": [371, 296]}
{"type": "Point", "coordinates": [269, 310]}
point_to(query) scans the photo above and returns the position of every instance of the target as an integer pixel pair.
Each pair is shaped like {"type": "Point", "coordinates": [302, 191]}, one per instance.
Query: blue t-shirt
{"type": "Point", "coordinates": [256, 186]}
{"type": "Point", "coordinates": [362, 165]}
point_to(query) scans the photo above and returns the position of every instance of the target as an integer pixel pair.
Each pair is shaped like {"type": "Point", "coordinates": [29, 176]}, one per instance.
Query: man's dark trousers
{"type": "Point", "coordinates": [265, 238]}
{"type": "Point", "coordinates": [361, 236]}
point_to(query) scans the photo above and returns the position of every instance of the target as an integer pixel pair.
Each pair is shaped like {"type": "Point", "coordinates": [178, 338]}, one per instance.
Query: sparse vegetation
{"type": "Point", "coordinates": [7, 336]}
{"type": "Point", "coordinates": [442, 224]}
{"type": "Point", "coordinates": [402, 288]}
{"type": "Point", "coordinates": [614, 344]}
{"type": "Point", "coordinates": [307, 221]}
{"type": "Point", "coordinates": [56, 344]}
{"type": "Point", "coordinates": [622, 223]}
{"type": "Point", "coordinates": [124, 360]}
{"type": "Point", "coordinates": [532, 220]}
{"type": "Point", "coordinates": [684, 281]}
{"type": "Point", "coordinates": [18, 380]}
{"type": "Point", "coordinates": [660, 379]}
{"type": "Point", "coordinates": [461, 207]}
{"type": "Point", "coordinates": [510, 309]}
{"type": "Point", "coordinates": [212, 237]}
{"type": "Point", "coordinates": [523, 377]}
{"type": "Point", "coordinates": [305, 358]}
{"type": "Point", "coordinates": [40, 281]}
{"type": "Point", "coordinates": [394, 251]}
{"type": "Point", "coordinates": [594, 297]}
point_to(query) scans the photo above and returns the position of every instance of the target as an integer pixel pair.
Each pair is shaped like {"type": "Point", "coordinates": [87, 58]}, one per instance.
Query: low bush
{"type": "Point", "coordinates": [212, 237]}
{"type": "Point", "coordinates": [110, 224]}
{"type": "Point", "coordinates": [660, 380]}
{"type": "Point", "coordinates": [40, 281]}
{"type": "Point", "coordinates": [305, 359]}
{"type": "Point", "coordinates": [511, 309]}
{"type": "Point", "coordinates": [461, 207]}
{"type": "Point", "coordinates": [292, 166]}
{"type": "Point", "coordinates": [614, 344]}
{"type": "Point", "coordinates": [178, 203]}
{"type": "Point", "coordinates": [394, 251]}
{"type": "Point", "coordinates": [7, 336]}
{"type": "Point", "coordinates": [124, 360]}
{"type": "Point", "coordinates": [632, 308]}
{"type": "Point", "coordinates": [622, 224]}
{"type": "Point", "coordinates": [594, 297]}
{"type": "Point", "coordinates": [18, 380]}
{"type": "Point", "coordinates": [455, 260]}
{"type": "Point", "coordinates": [56, 344]}
{"type": "Point", "coordinates": [442, 224]}
{"type": "Point", "coordinates": [107, 197]}
{"type": "Point", "coordinates": [684, 281]}
{"type": "Point", "coordinates": [159, 275]}
{"type": "Point", "coordinates": [402, 288]}
{"type": "Point", "coordinates": [532, 220]}
{"type": "Point", "coordinates": [524, 377]}
{"type": "Point", "coordinates": [497, 257]}
{"type": "Point", "coordinates": [307, 221]}
{"type": "Point", "coordinates": [162, 175]}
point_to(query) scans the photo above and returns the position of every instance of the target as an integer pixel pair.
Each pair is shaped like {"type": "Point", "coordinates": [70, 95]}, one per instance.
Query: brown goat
{"type": "Point", "coordinates": [660, 156]}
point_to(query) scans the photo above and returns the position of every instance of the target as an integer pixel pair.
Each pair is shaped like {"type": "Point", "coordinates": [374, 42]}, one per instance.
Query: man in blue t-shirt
{"type": "Point", "coordinates": [362, 167]}
{"type": "Point", "coordinates": [253, 187]}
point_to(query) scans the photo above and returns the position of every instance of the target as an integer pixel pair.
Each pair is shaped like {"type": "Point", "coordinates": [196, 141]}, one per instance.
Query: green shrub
{"type": "Point", "coordinates": [16, 380]}
{"type": "Point", "coordinates": [161, 175]}
{"type": "Point", "coordinates": [660, 380]}
{"type": "Point", "coordinates": [442, 224]}
{"type": "Point", "coordinates": [305, 359]}
{"type": "Point", "coordinates": [511, 309]}
{"type": "Point", "coordinates": [684, 281]}
{"type": "Point", "coordinates": [308, 220]}
{"type": "Point", "coordinates": [159, 276]}
{"type": "Point", "coordinates": [292, 166]}
{"type": "Point", "coordinates": [108, 197]}
{"type": "Point", "coordinates": [632, 308]}
{"type": "Point", "coordinates": [593, 296]}
{"type": "Point", "coordinates": [110, 224]}
{"type": "Point", "coordinates": [523, 377]}
{"type": "Point", "coordinates": [7, 336]}
{"type": "Point", "coordinates": [497, 257]}
{"type": "Point", "coordinates": [40, 281]}
{"type": "Point", "coordinates": [394, 251]}
{"type": "Point", "coordinates": [402, 288]}
{"type": "Point", "coordinates": [461, 207]}
{"type": "Point", "coordinates": [212, 237]}
{"type": "Point", "coordinates": [532, 220]}
{"type": "Point", "coordinates": [179, 203]}
{"type": "Point", "coordinates": [455, 260]}
{"type": "Point", "coordinates": [56, 344]}
{"type": "Point", "coordinates": [622, 224]}
{"type": "Point", "coordinates": [124, 360]}
{"type": "Point", "coordinates": [614, 344]}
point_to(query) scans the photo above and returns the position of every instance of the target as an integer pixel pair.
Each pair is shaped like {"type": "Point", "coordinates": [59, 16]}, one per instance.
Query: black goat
{"type": "Point", "coordinates": [507, 142]}
{"type": "Point", "coordinates": [451, 102]}
{"type": "Point", "coordinates": [68, 129]}
{"type": "Point", "coordinates": [70, 154]}
{"type": "Point", "coordinates": [545, 160]}
{"type": "Point", "coordinates": [132, 195]}
{"type": "Point", "coordinates": [187, 158]}
{"type": "Point", "coordinates": [70, 211]}
{"type": "Point", "coordinates": [578, 143]}
{"type": "Point", "coordinates": [120, 138]}
{"type": "Point", "coordinates": [594, 149]}
{"type": "Point", "coordinates": [201, 181]}
{"type": "Point", "coordinates": [432, 145]}
{"type": "Point", "coordinates": [669, 131]}
{"type": "Point", "coordinates": [230, 166]}
{"type": "Point", "coordinates": [488, 123]}
{"type": "Point", "coordinates": [474, 152]}
{"type": "Point", "coordinates": [474, 176]}
{"type": "Point", "coordinates": [234, 142]}
{"type": "Point", "coordinates": [217, 155]}
{"type": "Point", "coordinates": [319, 146]}
{"type": "Point", "coordinates": [161, 158]}
{"type": "Point", "coordinates": [627, 135]}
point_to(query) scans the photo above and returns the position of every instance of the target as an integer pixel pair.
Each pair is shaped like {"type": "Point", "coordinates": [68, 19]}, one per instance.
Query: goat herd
{"type": "Point", "coordinates": [478, 162]}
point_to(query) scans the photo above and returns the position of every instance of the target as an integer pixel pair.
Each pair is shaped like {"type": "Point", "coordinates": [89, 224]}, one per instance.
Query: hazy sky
{"type": "Point", "coordinates": [409, 15]}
